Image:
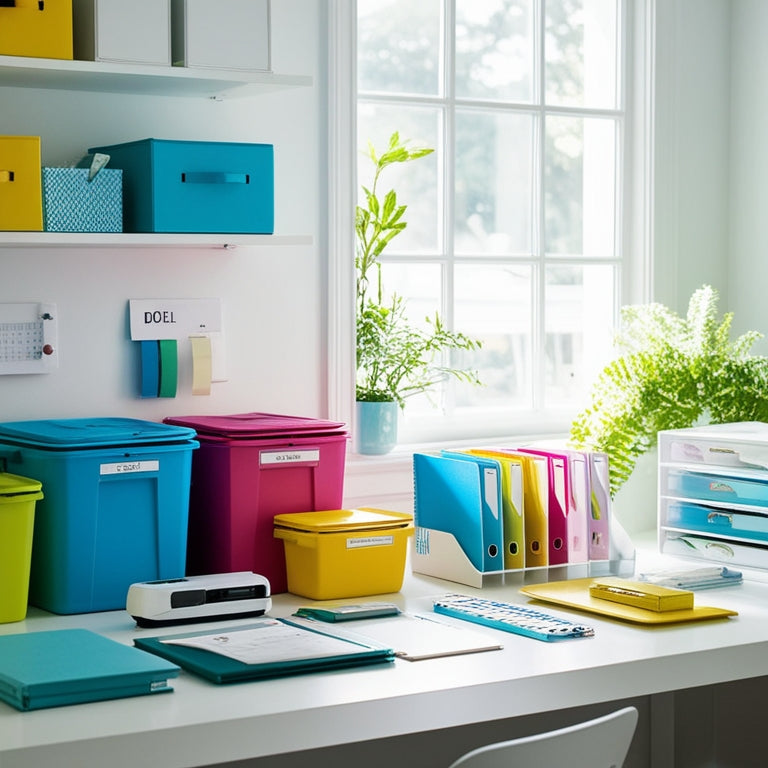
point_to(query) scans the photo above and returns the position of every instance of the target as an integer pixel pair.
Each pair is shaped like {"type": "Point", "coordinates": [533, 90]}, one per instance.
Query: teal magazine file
{"type": "Point", "coordinates": [447, 497]}
{"type": "Point", "coordinates": [489, 471]}
{"type": "Point", "coordinates": [73, 666]}
{"type": "Point", "coordinates": [268, 648]}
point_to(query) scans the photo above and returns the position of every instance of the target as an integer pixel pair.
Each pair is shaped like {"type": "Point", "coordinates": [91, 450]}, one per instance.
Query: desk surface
{"type": "Point", "coordinates": [201, 723]}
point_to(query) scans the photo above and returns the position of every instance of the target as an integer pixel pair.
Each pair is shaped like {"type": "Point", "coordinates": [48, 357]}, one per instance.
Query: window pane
{"type": "Point", "coordinates": [581, 53]}
{"type": "Point", "coordinates": [493, 303]}
{"type": "Point", "coordinates": [580, 186]}
{"type": "Point", "coordinates": [494, 49]}
{"type": "Point", "coordinates": [399, 46]}
{"type": "Point", "coordinates": [415, 182]}
{"type": "Point", "coordinates": [493, 195]}
{"type": "Point", "coordinates": [578, 308]}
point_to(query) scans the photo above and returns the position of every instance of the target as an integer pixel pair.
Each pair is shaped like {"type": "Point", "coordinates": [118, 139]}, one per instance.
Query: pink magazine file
{"type": "Point", "coordinates": [249, 468]}
{"type": "Point", "coordinates": [599, 507]}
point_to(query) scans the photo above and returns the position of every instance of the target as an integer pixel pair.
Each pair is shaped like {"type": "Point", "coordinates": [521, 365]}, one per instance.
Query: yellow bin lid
{"type": "Point", "coordinates": [335, 520]}
{"type": "Point", "coordinates": [15, 485]}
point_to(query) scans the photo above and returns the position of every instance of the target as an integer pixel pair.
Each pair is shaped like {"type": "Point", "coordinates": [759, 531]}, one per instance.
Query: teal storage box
{"type": "Point", "coordinates": [72, 203]}
{"type": "Point", "coordinates": [115, 509]}
{"type": "Point", "coordinates": [195, 186]}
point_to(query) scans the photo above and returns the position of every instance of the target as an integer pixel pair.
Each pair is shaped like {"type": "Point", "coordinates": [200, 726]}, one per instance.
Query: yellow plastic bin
{"type": "Point", "coordinates": [17, 521]}
{"type": "Point", "coordinates": [344, 552]}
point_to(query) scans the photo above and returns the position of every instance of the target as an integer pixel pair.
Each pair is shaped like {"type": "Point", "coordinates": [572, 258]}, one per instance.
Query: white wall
{"type": "Point", "coordinates": [273, 298]}
{"type": "Point", "coordinates": [692, 148]}
{"type": "Point", "coordinates": [749, 168]}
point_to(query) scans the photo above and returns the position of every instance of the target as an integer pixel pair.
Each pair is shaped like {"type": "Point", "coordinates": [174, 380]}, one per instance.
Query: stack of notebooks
{"type": "Point", "coordinates": [516, 508]}
{"type": "Point", "coordinates": [73, 666]}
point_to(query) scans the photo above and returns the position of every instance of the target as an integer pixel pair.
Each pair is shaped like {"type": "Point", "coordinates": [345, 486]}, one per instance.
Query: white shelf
{"type": "Point", "coordinates": [64, 74]}
{"type": "Point", "coordinates": [150, 240]}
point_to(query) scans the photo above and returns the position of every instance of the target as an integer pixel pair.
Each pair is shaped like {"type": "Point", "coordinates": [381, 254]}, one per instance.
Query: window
{"type": "Point", "coordinates": [516, 223]}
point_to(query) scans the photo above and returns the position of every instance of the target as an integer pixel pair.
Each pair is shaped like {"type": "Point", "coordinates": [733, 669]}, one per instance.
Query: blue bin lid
{"type": "Point", "coordinates": [91, 433]}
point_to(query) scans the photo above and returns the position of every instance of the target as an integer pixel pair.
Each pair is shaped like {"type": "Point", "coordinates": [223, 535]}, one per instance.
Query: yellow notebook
{"type": "Point", "coordinates": [574, 593]}
{"type": "Point", "coordinates": [651, 597]}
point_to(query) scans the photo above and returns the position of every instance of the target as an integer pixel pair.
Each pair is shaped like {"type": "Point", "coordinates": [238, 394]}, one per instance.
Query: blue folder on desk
{"type": "Point", "coordinates": [455, 494]}
{"type": "Point", "coordinates": [72, 666]}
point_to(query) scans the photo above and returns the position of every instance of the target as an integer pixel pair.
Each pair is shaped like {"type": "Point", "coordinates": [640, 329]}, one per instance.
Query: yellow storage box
{"type": "Point", "coordinates": [344, 552]}
{"type": "Point", "coordinates": [38, 29]}
{"type": "Point", "coordinates": [21, 194]}
{"type": "Point", "coordinates": [17, 520]}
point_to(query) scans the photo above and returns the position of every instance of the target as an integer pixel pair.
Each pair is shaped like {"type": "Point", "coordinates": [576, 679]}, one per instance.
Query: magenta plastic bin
{"type": "Point", "coordinates": [249, 468]}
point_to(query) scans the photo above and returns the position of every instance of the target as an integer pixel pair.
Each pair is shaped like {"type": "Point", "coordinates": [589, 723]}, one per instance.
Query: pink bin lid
{"type": "Point", "coordinates": [258, 425]}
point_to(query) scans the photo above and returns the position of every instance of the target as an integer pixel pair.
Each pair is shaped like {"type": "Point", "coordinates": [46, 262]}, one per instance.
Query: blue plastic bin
{"type": "Point", "coordinates": [195, 186]}
{"type": "Point", "coordinates": [115, 509]}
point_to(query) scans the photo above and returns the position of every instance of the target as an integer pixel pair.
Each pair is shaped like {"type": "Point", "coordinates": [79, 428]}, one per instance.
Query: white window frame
{"type": "Point", "coordinates": [637, 235]}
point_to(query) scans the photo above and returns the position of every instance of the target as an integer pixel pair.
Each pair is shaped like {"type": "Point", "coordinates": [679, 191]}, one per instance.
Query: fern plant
{"type": "Point", "coordinates": [671, 372]}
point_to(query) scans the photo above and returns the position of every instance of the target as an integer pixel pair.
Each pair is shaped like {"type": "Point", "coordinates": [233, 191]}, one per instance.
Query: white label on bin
{"type": "Point", "coordinates": [125, 467]}
{"type": "Point", "coordinates": [273, 458]}
{"type": "Point", "coordinates": [370, 541]}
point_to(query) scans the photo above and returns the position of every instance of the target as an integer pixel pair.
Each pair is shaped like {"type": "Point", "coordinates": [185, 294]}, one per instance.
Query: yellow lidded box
{"type": "Point", "coordinates": [37, 29]}
{"type": "Point", "coordinates": [344, 552]}
{"type": "Point", "coordinates": [21, 195]}
{"type": "Point", "coordinates": [17, 519]}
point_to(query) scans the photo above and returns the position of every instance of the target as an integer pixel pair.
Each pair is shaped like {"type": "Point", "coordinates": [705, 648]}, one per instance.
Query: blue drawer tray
{"type": "Point", "coordinates": [721, 488]}
{"type": "Point", "coordinates": [717, 521]}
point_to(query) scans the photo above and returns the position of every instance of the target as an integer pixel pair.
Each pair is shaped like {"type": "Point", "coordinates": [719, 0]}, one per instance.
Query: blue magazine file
{"type": "Point", "coordinates": [447, 498]}
{"type": "Point", "coordinates": [491, 505]}
{"type": "Point", "coordinates": [73, 666]}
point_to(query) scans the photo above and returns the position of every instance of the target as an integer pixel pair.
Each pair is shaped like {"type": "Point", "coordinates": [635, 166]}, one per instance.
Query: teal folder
{"type": "Point", "coordinates": [72, 666]}
{"type": "Point", "coordinates": [274, 655]}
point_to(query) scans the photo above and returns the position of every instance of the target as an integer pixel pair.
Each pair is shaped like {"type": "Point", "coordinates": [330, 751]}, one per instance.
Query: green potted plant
{"type": "Point", "coordinates": [395, 359]}
{"type": "Point", "coordinates": [671, 372]}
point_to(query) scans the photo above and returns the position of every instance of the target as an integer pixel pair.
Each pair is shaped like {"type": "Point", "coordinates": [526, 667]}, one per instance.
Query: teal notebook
{"type": "Point", "coordinates": [72, 666]}
{"type": "Point", "coordinates": [267, 648]}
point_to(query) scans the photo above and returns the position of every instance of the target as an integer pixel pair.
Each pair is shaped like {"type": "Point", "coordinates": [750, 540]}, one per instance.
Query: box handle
{"type": "Point", "coordinates": [7, 3]}
{"type": "Point", "coordinates": [5, 175]}
{"type": "Point", "coordinates": [215, 178]}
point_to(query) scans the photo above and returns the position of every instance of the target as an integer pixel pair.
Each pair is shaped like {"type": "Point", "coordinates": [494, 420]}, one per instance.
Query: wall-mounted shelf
{"type": "Point", "coordinates": [149, 240]}
{"type": "Point", "coordinates": [63, 74]}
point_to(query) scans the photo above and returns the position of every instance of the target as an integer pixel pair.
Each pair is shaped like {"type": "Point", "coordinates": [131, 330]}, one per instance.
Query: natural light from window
{"type": "Point", "coordinates": [514, 222]}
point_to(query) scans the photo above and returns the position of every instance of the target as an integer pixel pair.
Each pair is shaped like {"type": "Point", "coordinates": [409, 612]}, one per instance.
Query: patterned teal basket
{"type": "Point", "coordinates": [71, 203]}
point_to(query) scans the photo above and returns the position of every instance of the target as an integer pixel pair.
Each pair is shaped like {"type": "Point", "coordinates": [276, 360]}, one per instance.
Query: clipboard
{"type": "Point", "coordinates": [574, 593]}
{"type": "Point", "coordinates": [279, 647]}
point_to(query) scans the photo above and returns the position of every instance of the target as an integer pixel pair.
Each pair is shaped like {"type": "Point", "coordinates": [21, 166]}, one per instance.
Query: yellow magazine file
{"type": "Point", "coordinates": [512, 508]}
{"type": "Point", "coordinates": [574, 593]}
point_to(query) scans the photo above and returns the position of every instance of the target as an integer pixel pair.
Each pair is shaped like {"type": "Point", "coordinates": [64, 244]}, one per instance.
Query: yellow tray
{"type": "Point", "coordinates": [575, 594]}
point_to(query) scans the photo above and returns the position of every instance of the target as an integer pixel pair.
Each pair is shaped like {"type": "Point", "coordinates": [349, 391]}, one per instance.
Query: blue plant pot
{"type": "Point", "coordinates": [376, 427]}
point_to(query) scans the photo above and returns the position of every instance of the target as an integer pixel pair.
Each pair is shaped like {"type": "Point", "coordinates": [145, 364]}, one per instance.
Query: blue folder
{"type": "Point", "coordinates": [72, 666]}
{"type": "Point", "coordinates": [450, 495]}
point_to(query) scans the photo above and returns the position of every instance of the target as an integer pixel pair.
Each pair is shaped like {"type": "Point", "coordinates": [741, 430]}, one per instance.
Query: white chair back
{"type": "Point", "coordinates": [599, 743]}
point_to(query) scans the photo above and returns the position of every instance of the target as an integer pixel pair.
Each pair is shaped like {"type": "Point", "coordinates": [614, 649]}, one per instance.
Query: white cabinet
{"type": "Point", "coordinates": [713, 493]}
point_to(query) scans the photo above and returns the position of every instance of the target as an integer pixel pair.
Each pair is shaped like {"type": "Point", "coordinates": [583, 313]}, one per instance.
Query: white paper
{"type": "Point", "coordinates": [268, 642]}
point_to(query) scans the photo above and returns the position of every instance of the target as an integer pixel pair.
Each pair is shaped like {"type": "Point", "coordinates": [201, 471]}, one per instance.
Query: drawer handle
{"type": "Point", "coordinates": [720, 517]}
{"type": "Point", "coordinates": [7, 3]}
{"type": "Point", "coordinates": [6, 175]}
{"type": "Point", "coordinates": [215, 178]}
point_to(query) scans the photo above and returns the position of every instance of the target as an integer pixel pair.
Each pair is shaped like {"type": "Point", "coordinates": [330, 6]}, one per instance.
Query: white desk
{"type": "Point", "coordinates": [201, 723]}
